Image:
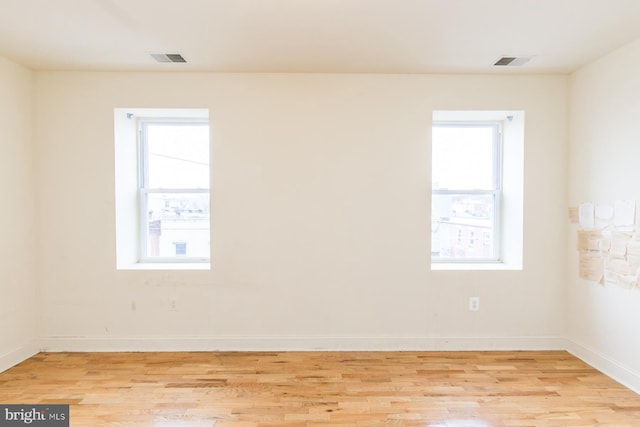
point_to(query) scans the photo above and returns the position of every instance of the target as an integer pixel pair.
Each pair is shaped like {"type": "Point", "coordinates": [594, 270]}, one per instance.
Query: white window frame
{"type": "Point", "coordinates": [144, 190]}
{"type": "Point", "coordinates": [495, 192]}
{"type": "Point", "coordinates": [127, 184]}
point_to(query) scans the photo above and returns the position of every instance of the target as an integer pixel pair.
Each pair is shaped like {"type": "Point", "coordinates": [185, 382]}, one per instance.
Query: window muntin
{"type": "Point", "coordinates": [174, 190]}
{"type": "Point", "coordinates": [466, 192]}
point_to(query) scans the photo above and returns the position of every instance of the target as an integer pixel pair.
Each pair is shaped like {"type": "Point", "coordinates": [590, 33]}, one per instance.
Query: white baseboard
{"type": "Point", "coordinates": [278, 343]}
{"type": "Point", "coordinates": [612, 368]}
{"type": "Point", "coordinates": [18, 355]}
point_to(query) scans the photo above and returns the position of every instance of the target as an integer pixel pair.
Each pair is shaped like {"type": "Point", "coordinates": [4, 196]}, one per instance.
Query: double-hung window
{"type": "Point", "coordinates": [173, 190]}
{"type": "Point", "coordinates": [466, 191]}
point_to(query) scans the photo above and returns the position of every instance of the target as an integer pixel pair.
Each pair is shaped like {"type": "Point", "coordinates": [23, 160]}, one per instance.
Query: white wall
{"type": "Point", "coordinates": [19, 305]}
{"type": "Point", "coordinates": [603, 322]}
{"type": "Point", "coordinates": [320, 206]}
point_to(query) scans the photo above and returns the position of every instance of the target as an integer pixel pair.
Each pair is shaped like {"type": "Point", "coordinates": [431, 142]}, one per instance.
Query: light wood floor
{"type": "Point", "coordinates": [461, 389]}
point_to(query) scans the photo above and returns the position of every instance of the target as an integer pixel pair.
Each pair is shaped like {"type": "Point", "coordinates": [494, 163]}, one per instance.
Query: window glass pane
{"type": "Point", "coordinates": [462, 226]}
{"type": "Point", "coordinates": [462, 157]}
{"type": "Point", "coordinates": [177, 225]}
{"type": "Point", "coordinates": [177, 155]}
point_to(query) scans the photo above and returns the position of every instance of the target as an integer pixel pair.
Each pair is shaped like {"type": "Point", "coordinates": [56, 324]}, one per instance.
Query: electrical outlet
{"type": "Point", "coordinates": [474, 303]}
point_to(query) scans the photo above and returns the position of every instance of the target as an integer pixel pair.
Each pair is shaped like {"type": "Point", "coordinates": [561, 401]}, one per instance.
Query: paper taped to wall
{"type": "Point", "coordinates": [591, 266]}
{"type": "Point", "coordinates": [586, 215]}
{"type": "Point", "coordinates": [608, 244]}
{"type": "Point", "coordinates": [624, 214]}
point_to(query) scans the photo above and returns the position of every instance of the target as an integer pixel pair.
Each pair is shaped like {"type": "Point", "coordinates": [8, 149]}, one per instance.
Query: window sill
{"type": "Point", "coordinates": [167, 266]}
{"type": "Point", "coordinates": [459, 266]}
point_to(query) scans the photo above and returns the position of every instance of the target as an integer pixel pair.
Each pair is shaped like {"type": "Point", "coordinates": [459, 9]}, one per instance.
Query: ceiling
{"type": "Point", "coordinates": [332, 36]}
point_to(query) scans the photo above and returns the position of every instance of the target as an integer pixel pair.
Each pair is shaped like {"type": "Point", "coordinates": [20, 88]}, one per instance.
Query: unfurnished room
{"type": "Point", "coordinates": [352, 213]}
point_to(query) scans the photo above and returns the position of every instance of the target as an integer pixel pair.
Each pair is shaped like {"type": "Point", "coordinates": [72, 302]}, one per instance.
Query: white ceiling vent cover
{"type": "Point", "coordinates": [168, 57]}
{"type": "Point", "coordinates": [512, 61]}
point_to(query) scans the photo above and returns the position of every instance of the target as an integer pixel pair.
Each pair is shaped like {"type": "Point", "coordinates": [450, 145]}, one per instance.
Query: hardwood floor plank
{"type": "Point", "coordinates": [356, 389]}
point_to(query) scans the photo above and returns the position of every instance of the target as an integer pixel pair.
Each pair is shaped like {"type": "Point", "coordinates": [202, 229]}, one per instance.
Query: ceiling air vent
{"type": "Point", "coordinates": [168, 57]}
{"type": "Point", "coordinates": [512, 61]}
